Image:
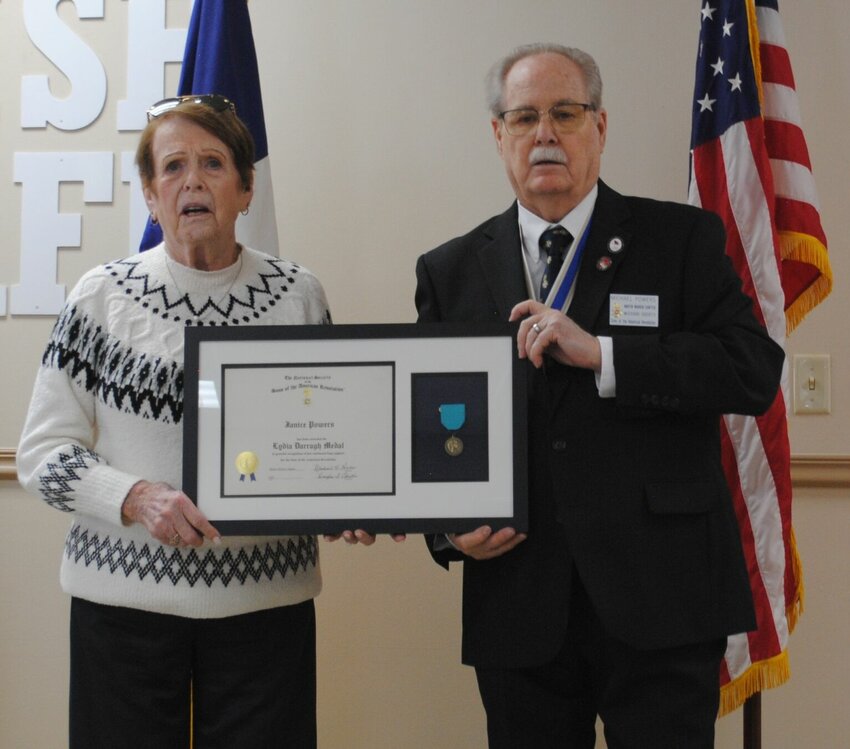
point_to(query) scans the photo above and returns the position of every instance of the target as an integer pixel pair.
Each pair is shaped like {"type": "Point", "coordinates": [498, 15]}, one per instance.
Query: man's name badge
{"type": "Point", "coordinates": [452, 417]}
{"type": "Point", "coordinates": [636, 310]}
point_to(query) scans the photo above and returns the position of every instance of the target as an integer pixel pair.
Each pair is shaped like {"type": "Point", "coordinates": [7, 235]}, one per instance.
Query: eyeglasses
{"type": "Point", "coordinates": [565, 118]}
{"type": "Point", "coordinates": [218, 103]}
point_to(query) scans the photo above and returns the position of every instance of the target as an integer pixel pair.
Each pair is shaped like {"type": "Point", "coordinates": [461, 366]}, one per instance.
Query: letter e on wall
{"type": "Point", "coordinates": [44, 230]}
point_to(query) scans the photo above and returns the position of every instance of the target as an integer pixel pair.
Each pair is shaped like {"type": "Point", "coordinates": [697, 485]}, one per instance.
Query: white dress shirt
{"type": "Point", "coordinates": [576, 222]}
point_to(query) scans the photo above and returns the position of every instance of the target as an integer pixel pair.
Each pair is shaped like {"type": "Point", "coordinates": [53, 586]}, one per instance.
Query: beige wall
{"type": "Point", "coordinates": [381, 149]}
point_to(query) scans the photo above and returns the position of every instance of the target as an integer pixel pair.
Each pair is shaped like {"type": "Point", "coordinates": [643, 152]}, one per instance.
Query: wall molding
{"type": "Point", "coordinates": [821, 471]}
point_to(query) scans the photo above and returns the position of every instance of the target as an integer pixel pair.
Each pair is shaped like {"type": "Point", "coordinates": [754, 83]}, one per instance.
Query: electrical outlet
{"type": "Point", "coordinates": [811, 384]}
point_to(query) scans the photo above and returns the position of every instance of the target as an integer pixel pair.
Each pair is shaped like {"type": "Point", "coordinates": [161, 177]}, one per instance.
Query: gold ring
{"type": "Point", "coordinates": [175, 539]}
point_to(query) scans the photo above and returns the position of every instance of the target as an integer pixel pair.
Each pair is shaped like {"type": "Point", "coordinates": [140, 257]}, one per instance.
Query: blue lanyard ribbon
{"type": "Point", "coordinates": [569, 278]}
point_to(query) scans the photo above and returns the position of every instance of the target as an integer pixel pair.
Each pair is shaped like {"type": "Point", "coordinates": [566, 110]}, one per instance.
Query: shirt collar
{"type": "Point", "coordinates": [531, 226]}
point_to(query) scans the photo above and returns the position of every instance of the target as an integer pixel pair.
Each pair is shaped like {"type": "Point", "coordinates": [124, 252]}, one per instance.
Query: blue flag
{"type": "Point", "coordinates": [220, 59]}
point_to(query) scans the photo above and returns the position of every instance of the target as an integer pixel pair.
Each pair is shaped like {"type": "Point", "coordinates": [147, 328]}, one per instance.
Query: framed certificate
{"type": "Point", "coordinates": [324, 428]}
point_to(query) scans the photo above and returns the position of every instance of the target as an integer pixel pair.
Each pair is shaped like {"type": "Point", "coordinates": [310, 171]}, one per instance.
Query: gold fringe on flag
{"type": "Point", "coordinates": [760, 676]}
{"type": "Point", "coordinates": [755, 50]}
{"type": "Point", "coordinates": [806, 249]}
{"type": "Point", "coordinates": [797, 605]}
{"type": "Point", "coordinates": [773, 672]}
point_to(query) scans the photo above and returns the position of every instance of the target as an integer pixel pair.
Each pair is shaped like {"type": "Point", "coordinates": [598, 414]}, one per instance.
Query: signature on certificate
{"type": "Point", "coordinates": [343, 472]}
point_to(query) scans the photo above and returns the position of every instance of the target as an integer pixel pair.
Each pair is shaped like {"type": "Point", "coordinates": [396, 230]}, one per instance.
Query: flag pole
{"type": "Point", "coordinates": [752, 722]}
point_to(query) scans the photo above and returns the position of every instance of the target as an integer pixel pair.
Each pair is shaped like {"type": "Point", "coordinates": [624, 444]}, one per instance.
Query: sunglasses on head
{"type": "Point", "coordinates": [216, 102]}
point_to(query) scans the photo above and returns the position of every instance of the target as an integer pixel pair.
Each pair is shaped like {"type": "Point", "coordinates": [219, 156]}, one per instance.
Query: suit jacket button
{"type": "Point", "coordinates": [654, 400]}
{"type": "Point", "coordinates": [644, 399]}
{"type": "Point", "coordinates": [559, 446]}
{"type": "Point", "coordinates": [665, 401]}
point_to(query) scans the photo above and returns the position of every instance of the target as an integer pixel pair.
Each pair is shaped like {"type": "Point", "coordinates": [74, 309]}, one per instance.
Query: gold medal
{"type": "Point", "coordinates": [454, 446]}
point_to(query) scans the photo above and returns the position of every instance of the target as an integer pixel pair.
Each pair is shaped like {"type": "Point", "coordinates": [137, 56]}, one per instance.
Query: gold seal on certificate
{"type": "Point", "coordinates": [246, 464]}
{"type": "Point", "coordinates": [453, 417]}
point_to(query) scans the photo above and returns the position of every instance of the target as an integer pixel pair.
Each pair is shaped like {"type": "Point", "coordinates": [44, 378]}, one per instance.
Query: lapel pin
{"type": "Point", "coordinates": [604, 263]}
{"type": "Point", "coordinates": [615, 244]}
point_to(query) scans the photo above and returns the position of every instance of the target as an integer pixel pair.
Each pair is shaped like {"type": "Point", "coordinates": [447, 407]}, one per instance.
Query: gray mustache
{"type": "Point", "coordinates": [547, 153]}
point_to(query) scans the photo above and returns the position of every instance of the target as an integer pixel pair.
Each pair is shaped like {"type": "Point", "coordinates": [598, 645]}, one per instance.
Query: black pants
{"type": "Point", "coordinates": [138, 679]}
{"type": "Point", "coordinates": [658, 699]}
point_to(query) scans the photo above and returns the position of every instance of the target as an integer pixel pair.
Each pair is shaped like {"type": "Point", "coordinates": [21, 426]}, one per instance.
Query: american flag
{"type": "Point", "coordinates": [750, 165]}
{"type": "Point", "coordinates": [220, 58]}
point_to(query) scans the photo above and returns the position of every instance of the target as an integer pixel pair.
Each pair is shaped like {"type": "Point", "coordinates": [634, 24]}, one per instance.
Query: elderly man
{"type": "Point", "coordinates": [619, 599]}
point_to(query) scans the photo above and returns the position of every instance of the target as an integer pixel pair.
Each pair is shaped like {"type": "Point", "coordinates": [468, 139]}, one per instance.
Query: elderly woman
{"type": "Point", "coordinates": [162, 606]}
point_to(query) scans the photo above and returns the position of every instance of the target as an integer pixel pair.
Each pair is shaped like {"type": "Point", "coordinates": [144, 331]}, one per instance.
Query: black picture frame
{"type": "Point", "coordinates": [476, 364]}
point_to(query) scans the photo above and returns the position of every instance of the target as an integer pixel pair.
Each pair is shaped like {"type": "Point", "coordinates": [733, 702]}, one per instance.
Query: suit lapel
{"type": "Point", "coordinates": [609, 242]}
{"type": "Point", "coordinates": [500, 257]}
{"type": "Point", "coordinates": [501, 262]}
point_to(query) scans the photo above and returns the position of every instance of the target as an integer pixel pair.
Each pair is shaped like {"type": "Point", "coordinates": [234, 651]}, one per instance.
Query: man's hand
{"type": "Point", "coordinates": [168, 514]}
{"type": "Point", "coordinates": [482, 543]}
{"type": "Point", "coordinates": [548, 331]}
{"type": "Point", "coordinates": [360, 537]}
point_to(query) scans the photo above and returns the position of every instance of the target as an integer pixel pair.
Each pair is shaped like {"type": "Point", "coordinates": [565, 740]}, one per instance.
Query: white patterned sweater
{"type": "Point", "coordinates": [107, 411]}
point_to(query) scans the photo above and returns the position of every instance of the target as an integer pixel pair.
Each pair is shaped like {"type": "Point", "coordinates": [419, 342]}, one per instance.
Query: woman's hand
{"type": "Point", "coordinates": [168, 514]}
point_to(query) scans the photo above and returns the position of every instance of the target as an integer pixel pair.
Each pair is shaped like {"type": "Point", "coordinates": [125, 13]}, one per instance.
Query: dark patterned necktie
{"type": "Point", "coordinates": [554, 243]}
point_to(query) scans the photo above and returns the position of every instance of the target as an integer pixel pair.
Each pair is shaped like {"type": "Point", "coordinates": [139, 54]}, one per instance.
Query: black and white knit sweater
{"type": "Point", "coordinates": [107, 411]}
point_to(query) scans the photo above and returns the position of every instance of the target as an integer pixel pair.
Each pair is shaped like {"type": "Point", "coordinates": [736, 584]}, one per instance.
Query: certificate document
{"type": "Point", "coordinates": [308, 429]}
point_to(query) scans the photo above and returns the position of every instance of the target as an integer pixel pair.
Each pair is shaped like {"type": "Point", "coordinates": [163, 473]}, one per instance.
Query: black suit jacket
{"type": "Point", "coordinates": [628, 491]}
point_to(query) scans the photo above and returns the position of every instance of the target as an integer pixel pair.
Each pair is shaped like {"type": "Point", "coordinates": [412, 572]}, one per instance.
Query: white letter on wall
{"type": "Point", "coordinates": [44, 230]}
{"type": "Point", "coordinates": [76, 60]}
{"type": "Point", "coordinates": [149, 47]}
{"type": "Point", "coordinates": [138, 207]}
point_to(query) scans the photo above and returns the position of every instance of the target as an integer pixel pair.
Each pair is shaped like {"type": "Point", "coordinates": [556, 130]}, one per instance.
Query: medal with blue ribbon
{"type": "Point", "coordinates": [453, 417]}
